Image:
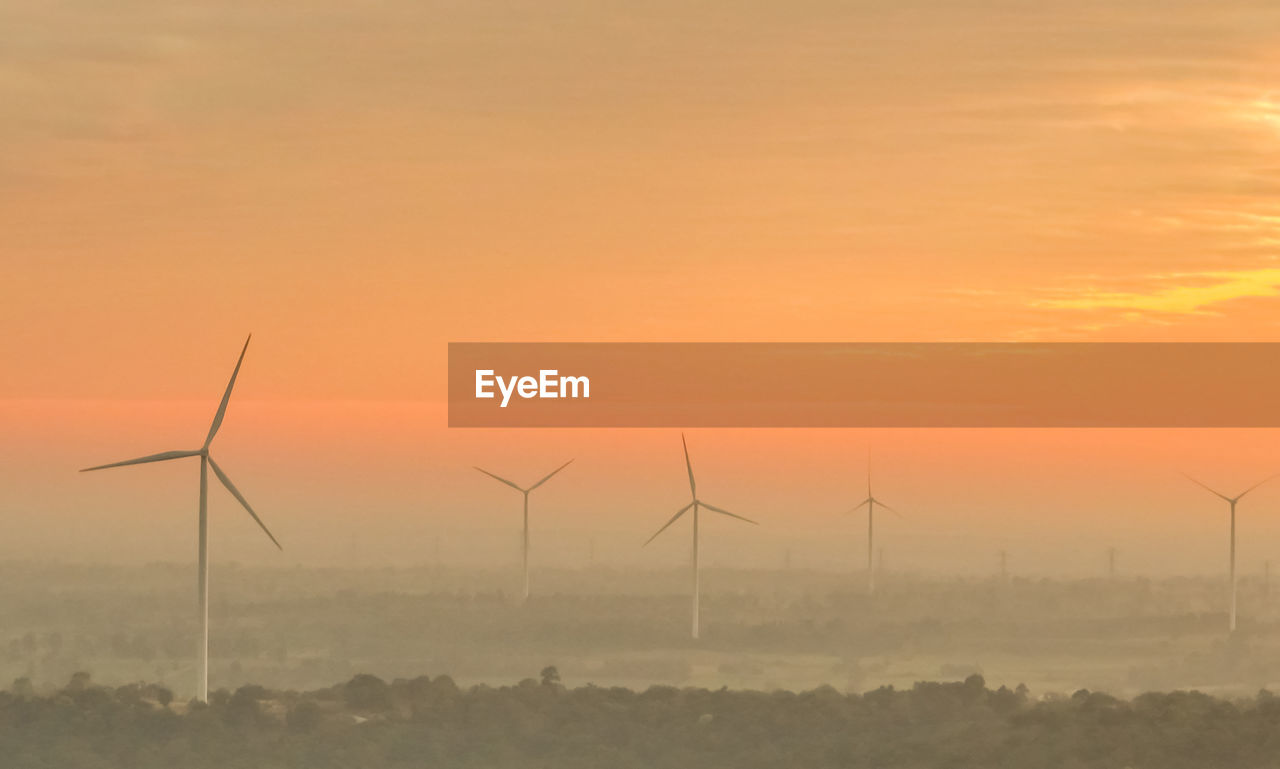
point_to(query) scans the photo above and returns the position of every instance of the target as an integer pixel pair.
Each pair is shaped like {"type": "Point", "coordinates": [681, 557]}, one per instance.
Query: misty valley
{"type": "Point", "coordinates": [302, 628]}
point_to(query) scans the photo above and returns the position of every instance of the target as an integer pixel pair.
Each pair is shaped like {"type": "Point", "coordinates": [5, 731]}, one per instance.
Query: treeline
{"type": "Point", "coordinates": [367, 722]}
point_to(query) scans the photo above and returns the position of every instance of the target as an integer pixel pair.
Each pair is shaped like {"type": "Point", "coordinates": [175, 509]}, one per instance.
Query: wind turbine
{"type": "Point", "coordinates": [694, 504]}
{"type": "Point", "coordinates": [525, 492]}
{"type": "Point", "coordinates": [1231, 502]}
{"type": "Point", "coordinates": [202, 574]}
{"type": "Point", "coordinates": [871, 503]}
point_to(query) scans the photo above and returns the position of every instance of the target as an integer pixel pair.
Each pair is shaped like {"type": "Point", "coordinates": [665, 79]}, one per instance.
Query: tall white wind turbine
{"type": "Point", "coordinates": [202, 574]}
{"type": "Point", "coordinates": [525, 492]}
{"type": "Point", "coordinates": [1231, 573]}
{"type": "Point", "coordinates": [871, 503]}
{"type": "Point", "coordinates": [694, 504]}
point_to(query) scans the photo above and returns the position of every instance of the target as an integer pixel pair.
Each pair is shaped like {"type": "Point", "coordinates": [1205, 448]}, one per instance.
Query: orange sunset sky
{"type": "Point", "coordinates": [360, 183]}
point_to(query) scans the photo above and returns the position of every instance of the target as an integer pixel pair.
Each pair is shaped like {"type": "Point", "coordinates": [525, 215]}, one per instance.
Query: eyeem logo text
{"type": "Point", "coordinates": [547, 384]}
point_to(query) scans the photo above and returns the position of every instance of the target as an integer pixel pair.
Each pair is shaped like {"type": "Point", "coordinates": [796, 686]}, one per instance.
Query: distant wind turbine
{"type": "Point", "coordinates": [1231, 502]}
{"type": "Point", "coordinates": [871, 503]}
{"type": "Point", "coordinates": [206, 464]}
{"type": "Point", "coordinates": [694, 504]}
{"type": "Point", "coordinates": [525, 492]}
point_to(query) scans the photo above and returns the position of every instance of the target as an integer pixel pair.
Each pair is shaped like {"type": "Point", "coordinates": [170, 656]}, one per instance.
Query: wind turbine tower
{"type": "Point", "coordinates": [1231, 572]}
{"type": "Point", "coordinates": [694, 504]}
{"type": "Point", "coordinates": [202, 573]}
{"type": "Point", "coordinates": [525, 492]}
{"type": "Point", "coordinates": [871, 503]}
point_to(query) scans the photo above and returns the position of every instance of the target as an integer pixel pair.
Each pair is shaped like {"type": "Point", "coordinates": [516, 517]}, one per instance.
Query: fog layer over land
{"type": "Point", "coordinates": [305, 628]}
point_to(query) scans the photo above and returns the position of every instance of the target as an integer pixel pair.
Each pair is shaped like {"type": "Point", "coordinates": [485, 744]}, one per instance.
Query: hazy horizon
{"type": "Point", "coordinates": [331, 479]}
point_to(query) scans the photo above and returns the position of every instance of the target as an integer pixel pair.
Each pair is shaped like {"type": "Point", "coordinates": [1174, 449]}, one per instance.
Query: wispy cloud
{"type": "Point", "coordinates": [1178, 294]}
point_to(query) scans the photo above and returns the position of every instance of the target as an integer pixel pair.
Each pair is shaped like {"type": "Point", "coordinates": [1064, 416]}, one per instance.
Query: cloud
{"type": "Point", "coordinates": [1189, 294]}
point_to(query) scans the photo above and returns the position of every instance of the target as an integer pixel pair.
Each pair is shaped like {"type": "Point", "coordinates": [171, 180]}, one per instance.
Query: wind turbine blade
{"type": "Point", "coordinates": [1256, 485]}
{"type": "Point", "coordinates": [674, 518]}
{"type": "Point", "coordinates": [715, 509]}
{"type": "Point", "coordinates": [693, 487]}
{"type": "Point", "coordinates": [868, 472]}
{"type": "Point", "coordinates": [890, 509]}
{"type": "Point", "coordinates": [240, 498]}
{"type": "Point", "coordinates": [1211, 491]}
{"type": "Point", "coordinates": [549, 475]}
{"type": "Point", "coordinates": [500, 478]}
{"type": "Point", "coordinates": [163, 456]}
{"type": "Point", "coordinates": [859, 506]}
{"type": "Point", "coordinates": [222, 407]}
